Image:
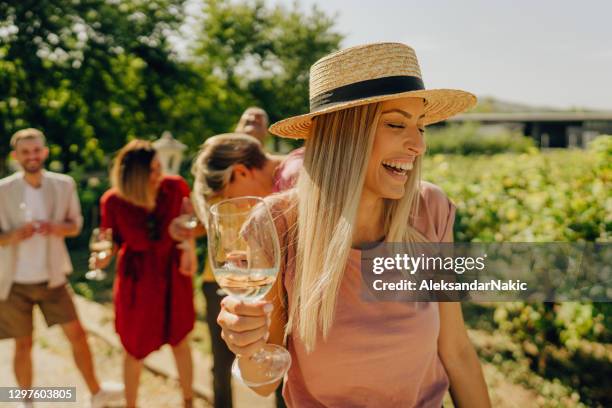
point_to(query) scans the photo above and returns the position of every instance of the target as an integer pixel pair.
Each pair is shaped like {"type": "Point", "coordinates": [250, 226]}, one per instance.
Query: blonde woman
{"type": "Point", "coordinates": [153, 296]}
{"type": "Point", "coordinates": [361, 183]}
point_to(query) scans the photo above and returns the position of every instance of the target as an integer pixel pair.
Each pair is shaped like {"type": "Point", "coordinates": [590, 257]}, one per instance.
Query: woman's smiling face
{"type": "Point", "coordinates": [397, 143]}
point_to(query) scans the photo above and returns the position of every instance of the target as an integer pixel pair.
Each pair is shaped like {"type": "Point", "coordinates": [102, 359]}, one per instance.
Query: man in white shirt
{"type": "Point", "coordinates": [38, 209]}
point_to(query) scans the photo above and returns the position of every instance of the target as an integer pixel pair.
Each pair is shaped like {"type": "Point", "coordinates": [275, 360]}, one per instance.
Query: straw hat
{"type": "Point", "coordinates": [366, 74]}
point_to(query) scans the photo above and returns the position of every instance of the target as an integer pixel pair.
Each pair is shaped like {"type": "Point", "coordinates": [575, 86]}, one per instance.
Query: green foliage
{"type": "Point", "coordinates": [87, 71]}
{"type": "Point", "coordinates": [90, 189]}
{"type": "Point", "coordinates": [529, 197]}
{"type": "Point", "coordinates": [264, 54]}
{"type": "Point", "coordinates": [93, 74]}
{"type": "Point", "coordinates": [576, 321]}
{"type": "Point", "coordinates": [604, 311]}
{"type": "Point", "coordinates": [469, 139]}
{"type": "Point", "coordinates": [539, 325]}
{"type": "Point", "coordinates": [562, 342]}
{"type": "Point", "coordinates": [601, 147]}
{"type": "Point", "coordinates": [540, 197]}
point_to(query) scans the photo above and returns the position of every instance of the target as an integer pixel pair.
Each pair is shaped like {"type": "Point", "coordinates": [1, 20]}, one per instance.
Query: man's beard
{"type": "Point", "coordinates": [33, 168]}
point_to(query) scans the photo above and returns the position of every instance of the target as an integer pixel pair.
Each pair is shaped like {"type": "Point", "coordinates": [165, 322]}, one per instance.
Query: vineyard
{"type": "Point", "coordinates": [561, 350]}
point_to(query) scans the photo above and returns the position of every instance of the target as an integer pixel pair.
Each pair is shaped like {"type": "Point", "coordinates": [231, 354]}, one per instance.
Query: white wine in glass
{"type": "Point", "coordinates": [101, 247]}
{"type": "Point", "coordinates": [244, 253]}
{"type": "Point", "coordinates": [190, 222]}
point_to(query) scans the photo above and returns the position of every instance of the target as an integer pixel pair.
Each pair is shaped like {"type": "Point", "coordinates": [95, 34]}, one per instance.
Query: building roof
{"type": "Point", "coordinates": [533, 117]}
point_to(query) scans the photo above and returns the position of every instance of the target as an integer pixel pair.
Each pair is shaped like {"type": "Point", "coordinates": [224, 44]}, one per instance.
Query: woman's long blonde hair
{"type": "Point", "coordinates": [329, 188]}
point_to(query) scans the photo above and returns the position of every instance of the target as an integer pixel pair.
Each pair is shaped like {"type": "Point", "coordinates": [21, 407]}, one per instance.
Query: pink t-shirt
{"type": "Point", "coordinates": [287, 172]}
{"type": "Point", "coordinates": [378, 354]}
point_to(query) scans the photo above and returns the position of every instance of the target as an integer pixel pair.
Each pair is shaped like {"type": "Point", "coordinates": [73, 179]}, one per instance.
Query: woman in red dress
{"type": "Point", "coordinates": [153, 295]}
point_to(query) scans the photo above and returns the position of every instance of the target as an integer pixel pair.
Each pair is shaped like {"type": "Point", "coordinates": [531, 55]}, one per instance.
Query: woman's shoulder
{"type": "Point", "coordinates": [283, 209]}
{"type": "Point", "coordinates": [110, 196]}
{"type": "Point", "coordinates": [282, 202]}
{"type": "Point", "coordinates": [174, 182]}
{"type": "Point", "coordinates": [436, 210]}
{"type": "Point", "coordinates": [433, 194]}
{"type": "Point", "coordinates": [173, 179]}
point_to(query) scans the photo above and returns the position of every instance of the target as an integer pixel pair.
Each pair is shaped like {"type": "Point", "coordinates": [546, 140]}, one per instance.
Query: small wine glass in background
{"type": "Point", "coordinates": [189, 261]}
{"type": "Point", "coordinates": [101, 247]}
{"type": "Point", "coordinates": [27, 217]}
{"type": "Point", "coordinates": [244, 253]}
{"type": "Point", "coordinates": [26, 213]}
{"type": "Point", "coordinates": [189, 222]}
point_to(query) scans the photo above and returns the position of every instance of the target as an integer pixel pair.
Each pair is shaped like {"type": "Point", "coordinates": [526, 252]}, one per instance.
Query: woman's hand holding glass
{"type": "Point", "coordinates": [245, 325]}
{"type": "Point", "coordinates": [101, 247]}
{"type": "Point", "coordinates": [245, 257]}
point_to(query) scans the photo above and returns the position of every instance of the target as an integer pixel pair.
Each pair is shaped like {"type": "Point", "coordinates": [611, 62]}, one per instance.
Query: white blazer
{"type": "Point", "coordinates": [62, 201]}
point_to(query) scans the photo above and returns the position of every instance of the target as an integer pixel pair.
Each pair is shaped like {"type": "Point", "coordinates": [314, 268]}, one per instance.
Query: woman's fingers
{"type": "Point", "coordinates": [240, 323]}
{"type": "Point", "coordinates": [246, 338]}
{"type": "Point", "coordinates": [95, 261]}
{"type": "Point", "coordinates": [245, 351]}
{"type": "Point", "coordinates": [177, 231]}
{"type": "Point", "coordinates": [238, 307]}
{"type": "Point", "coordinates": [245, 325]}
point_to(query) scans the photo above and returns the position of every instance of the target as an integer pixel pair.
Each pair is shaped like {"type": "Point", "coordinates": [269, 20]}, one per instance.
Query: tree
{"type": "Point", "coordinates": [264, 54]}
{"type": "Point", "coordinates": [89, 73]}
{"type": "Point", "coordinates": [94, 73]}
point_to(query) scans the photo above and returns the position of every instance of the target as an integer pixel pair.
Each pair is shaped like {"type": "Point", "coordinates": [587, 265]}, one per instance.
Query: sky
{"type": "Point", "coordinates": [545, 53]}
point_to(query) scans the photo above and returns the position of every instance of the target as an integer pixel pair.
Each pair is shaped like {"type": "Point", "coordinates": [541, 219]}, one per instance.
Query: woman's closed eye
{"type": "Point", "coordinates": [402, 126]}
{"type": "Point", "coordinates": [396, 125]}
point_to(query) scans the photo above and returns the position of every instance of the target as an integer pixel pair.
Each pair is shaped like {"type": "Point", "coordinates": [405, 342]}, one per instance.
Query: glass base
{"type": "Point", "coordinates": [267, 366]}
{"type": "Point", "coordinates": [95, 275]}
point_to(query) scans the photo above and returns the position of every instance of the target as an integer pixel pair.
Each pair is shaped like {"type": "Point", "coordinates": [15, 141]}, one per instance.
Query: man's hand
{"type": "Point", "coordinates": [22, 233]}
{"type": "Point", "coordinates": [47, 228]}
{"type": "Point", "coordinates": [56, 229]}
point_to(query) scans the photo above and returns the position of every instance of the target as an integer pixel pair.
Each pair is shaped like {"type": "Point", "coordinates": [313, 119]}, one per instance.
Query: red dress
{"type": "Point", "coordinates": [153, 300]}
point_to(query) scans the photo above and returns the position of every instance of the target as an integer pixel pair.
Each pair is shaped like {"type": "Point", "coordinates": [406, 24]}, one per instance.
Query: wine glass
{"type": "Point", "coordinates": [101, 247]}
{"type": "Point", "coordinates": [26, 213]}
{"type": "Point", "coordinates": [190, 222]}
{"type": "Point", "coordinates": [244, 253]}
{"type": "Point", "coordinates": [27, 216]}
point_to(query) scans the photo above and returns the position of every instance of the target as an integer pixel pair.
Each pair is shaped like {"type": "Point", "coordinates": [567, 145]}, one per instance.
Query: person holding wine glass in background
{"type": "Point", "coordinates": [361, 184]}
{"type": "Point", "coordinates": [231, 165]}
{"type": "Point", "coordinates": [101, 247]}
{"type": "Point", "coordinates": [38, 210]}
{"type": "Point", "coordinates": [153, 292]}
